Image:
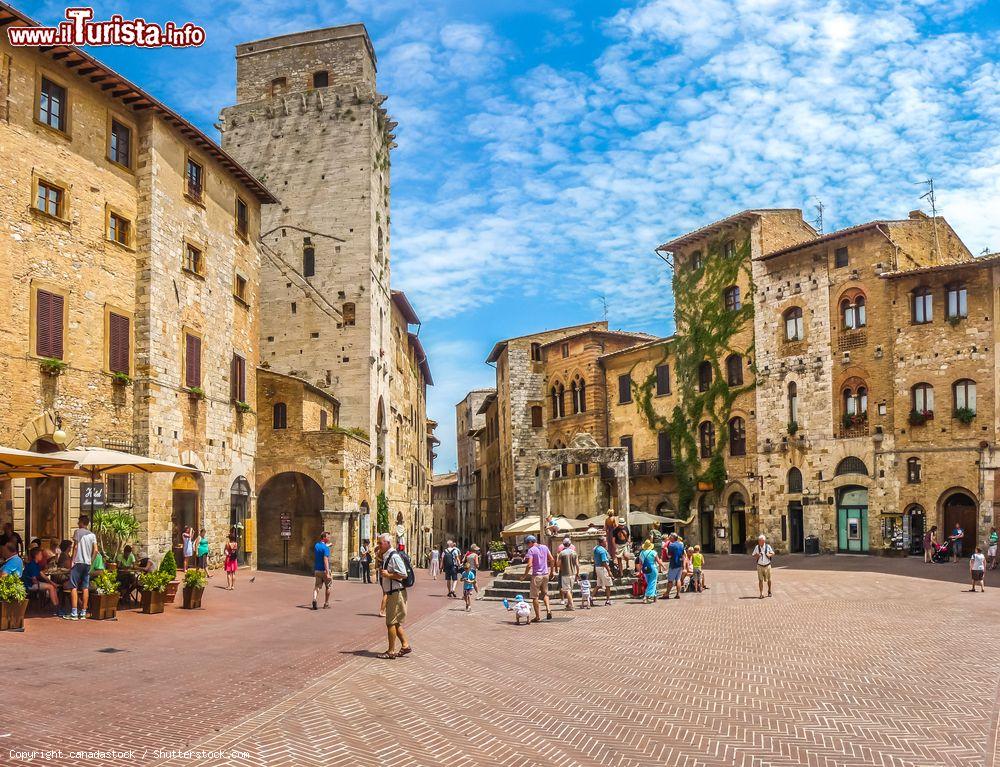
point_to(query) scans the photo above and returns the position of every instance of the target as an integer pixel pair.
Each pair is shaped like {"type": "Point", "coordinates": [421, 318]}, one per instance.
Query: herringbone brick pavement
{"type": "Point", "coordinates": [838, 669]}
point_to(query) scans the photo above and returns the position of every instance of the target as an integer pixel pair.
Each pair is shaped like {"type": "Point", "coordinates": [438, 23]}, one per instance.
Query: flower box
{"type": "Point", "coordinates": [192, 598]}
{"type": "Point", "coordinates": [12, 615]}
{"type": "Point", "coordinates": [152, 602]}
{"type": "Point", "coordinates": [103, 607]}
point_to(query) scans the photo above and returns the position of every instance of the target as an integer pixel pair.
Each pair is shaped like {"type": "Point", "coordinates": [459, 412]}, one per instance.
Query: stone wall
{"type": "Point", "coordinates": [468, 419]}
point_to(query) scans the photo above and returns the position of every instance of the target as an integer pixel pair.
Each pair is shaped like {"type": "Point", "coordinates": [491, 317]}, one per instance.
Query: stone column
{"type": "Point", "coordinates": [338, 523]}
{"type": "Point", "coordinates": [544, 481]}
{"type": "Point", "coordinates": [621, 480]}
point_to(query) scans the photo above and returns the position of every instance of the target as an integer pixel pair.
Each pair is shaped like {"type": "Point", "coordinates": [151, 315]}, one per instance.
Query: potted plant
{"type": "Point", "coordinates": [793, 427]}
{"type": "Point", "coordinates": [196, 393]}
{"type": "Point", "coordinates": [52, 366]}
{"type": "Point", "coordinates": [168, 565]}
{"type": "Point", "coordinates": [194, 587]}
{"type": "Point", "coordinates": [114, 528]}
{"type": "Point", "coordinates": [154, 587]}
{"type": "Point", "coordinates": [918, 418]}
{"type": "Point", "coordinates": [13, 603]}
{"type": "Point", "coordinates": [965, 414]}
{"type": "Point", "coordinates": [243, 407]}
{"type": "Point", "coordinates": [103, 604]}
{"type": "Point", "coordinates": [121, 379]}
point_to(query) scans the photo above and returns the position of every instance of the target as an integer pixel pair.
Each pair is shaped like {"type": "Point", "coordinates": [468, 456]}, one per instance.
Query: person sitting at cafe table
{"type": "Point", "coordinates": [35, 580]}
{"type": "Point", "coordinates": [126, 558]}
{"type": "Point", "coordinates": [64, 559]}
{"type": "Point", "coordinates": [9, 536]}
{"type": "Point", "coordinates": [12, 564]}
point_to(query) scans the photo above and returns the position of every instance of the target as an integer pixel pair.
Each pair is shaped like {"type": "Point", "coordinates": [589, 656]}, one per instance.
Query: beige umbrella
{"type": "Point", "coordinates": [638, 519]}
{"type": "Point", "coordinates": [25, 463]}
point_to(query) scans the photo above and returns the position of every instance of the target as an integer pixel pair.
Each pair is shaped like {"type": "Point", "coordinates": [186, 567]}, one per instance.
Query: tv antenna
{"type": "Point", "coordinates": [818, 221]}
{"type": "Point", "coordinates": [932, 199]}
{"type": "Point", "coordinates": [604, 307]}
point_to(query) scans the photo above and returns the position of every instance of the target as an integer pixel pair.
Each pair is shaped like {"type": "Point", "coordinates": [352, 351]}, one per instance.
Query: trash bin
{"type": "Point", "coordinates": [812, 544]}
{"type": "Point", "coordinates": [354, 569]}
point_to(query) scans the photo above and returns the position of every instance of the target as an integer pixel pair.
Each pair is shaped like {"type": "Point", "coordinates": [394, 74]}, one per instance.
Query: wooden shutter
{"type": "Point", "coordinates": [192, 361]}
{"type": "Point", "coordinates": [49, 325]}
{"type": "Point", "coordinates": [664, 448]}
{"type": "Point", "coordinates": [237, 379]}
{"type": "Point", "coordinates": [118, 343]}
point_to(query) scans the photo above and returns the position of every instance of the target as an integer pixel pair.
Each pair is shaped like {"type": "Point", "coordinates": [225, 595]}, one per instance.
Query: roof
{"type": "Point", "coordinates": [421, 355]}
{"type": "Point", "coordinates": [639, 347]}
{"type": "Point", "coordinates": [405, 307]}
{"type": "Point", "coordinates": [490, 399]}
{"type": "Point", "coordinates": [499, 346]}
{"type": "Point", "coordinates": [990, 259]}
{"type": "Point", "coordinates": [612, 333]}
{"type": "Point", "coordinates": [304, 382]}
{"type": "Point", "coordinates": [440, 480]}
{"type": "Point", "coordinates": [137, 100]}
{"type": "Point", "coordinates": [704, 231]}
{"type": "Point", "coordinates": [849, 231]}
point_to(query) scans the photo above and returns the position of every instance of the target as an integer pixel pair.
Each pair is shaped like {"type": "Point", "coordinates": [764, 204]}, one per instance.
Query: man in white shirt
{"type": "Point", "coordinates": [392, 577]}
{"type": "Point", "coordinates": [84, 551]}
{"type": "Point", "coordinates": [763, 554]}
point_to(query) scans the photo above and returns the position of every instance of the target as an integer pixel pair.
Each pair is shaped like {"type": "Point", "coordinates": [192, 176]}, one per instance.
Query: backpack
{"type": "Point", "coordinates": [411, 577]}
{"type": "Point", "coordinates": [647, 564]}
{"type": "Point", "coordinates": [451, 558]}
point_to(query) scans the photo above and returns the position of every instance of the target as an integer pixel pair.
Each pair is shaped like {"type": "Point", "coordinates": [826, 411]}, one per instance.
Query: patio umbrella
{"type": "Point", "coordinates": [637, 519]}
{"type": "Point", "coordinates": [22, 464]}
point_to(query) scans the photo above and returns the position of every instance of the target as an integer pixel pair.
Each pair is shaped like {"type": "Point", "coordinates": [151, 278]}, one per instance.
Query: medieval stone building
{"type": "Point", "coordinates": [470, 519]}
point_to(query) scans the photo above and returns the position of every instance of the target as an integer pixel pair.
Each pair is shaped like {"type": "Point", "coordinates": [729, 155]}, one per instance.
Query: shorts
{"type": "Point", "coordinates": [992, 550]}
{"type": "Point", "coordinates": [958, 549]}
{"type": "Point", "coordinates": [539, 586]}
{"type": "Point", "coordinates": [674, 574]}
{"type": "Point", "coordinates": [79, 577]}
{"type": "Point", "coordinates": [625, 554]}
{"type": "Point", "coordinates": [566, 582]}
{"type": "Point", "coordinates": [451, 573]}
{"type": "Point", "coordinates": [395, 607]}
{"type": "Point", "coordinates": [977, 576]}
{"type": "Point", "coordinates": [203, 561]}
{"type": "Point", "coordinates": [322, 579]}
{"type": "Point", "coordinates": [696, 575]}
{"type": "Point", "coordinates": [603, 579]}
{"type": "Point", "coordinates": [763, 573]}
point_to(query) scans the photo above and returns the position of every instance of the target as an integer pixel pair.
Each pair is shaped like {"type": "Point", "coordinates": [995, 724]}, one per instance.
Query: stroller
{"type": "Point", "coordinates": [942, 552]}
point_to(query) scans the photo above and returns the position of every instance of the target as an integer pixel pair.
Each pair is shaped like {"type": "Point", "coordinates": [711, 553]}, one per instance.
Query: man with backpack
{"type": "Point", "coordinates": [452, 564]}
{"type": "Point", "coordinates": [395, 575]}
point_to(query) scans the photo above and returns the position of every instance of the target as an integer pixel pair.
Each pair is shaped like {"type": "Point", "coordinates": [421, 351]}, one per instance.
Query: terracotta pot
{"type": "Point", "coordinates": [12, 615]}
{"type": "Point", "coordinates": [171, 593]}
{"type": "Point", "coordinates": [192, 598]}
{"type": "Point", "coordinates": [103, 607]}
{"type": "Point", "coordinates": [152, 602]}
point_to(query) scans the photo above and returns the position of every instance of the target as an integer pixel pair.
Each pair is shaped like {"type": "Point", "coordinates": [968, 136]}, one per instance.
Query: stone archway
{"type": "Point", "coordinates": [289, 521]}
{"type": "Point", "coordinates": [959, 506]}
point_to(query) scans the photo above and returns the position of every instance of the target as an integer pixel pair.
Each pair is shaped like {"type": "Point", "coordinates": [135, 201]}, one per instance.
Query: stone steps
{"type": "Point", "coordinates": [509, 588]}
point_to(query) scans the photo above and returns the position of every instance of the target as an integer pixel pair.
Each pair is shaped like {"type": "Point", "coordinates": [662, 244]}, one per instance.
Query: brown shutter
{"type": "Point", "coordinates": [192, 360]}
{"type": "Point", "coordinates": [242, 364]}
{"type": "Point", "coordinates": [237, 379]}
{"type": "Point", "coordinates": [49, 325]}
{"type": "Point", "coordinates": [118, 343]}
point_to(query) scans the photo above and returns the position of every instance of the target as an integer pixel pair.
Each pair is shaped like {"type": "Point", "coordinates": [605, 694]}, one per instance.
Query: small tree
{"type": "Point", "coordinates": [169, 565]}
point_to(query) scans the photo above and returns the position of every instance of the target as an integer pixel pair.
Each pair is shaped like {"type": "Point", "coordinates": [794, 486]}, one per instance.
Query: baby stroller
{"type": "Point", "coordinates": [942, 552]}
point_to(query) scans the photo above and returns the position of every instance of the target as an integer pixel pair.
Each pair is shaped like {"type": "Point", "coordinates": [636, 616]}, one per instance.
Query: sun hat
{"type": "Point", "coordinates": [519, 598]}
{"type": "Point", "coordinates": [647, 545]}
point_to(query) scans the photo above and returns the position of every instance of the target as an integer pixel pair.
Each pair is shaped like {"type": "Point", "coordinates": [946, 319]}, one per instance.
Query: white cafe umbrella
{"type": "Point", "coordinates": [638, 519]}
{"type": "Point", "coordinates": [22, 464]}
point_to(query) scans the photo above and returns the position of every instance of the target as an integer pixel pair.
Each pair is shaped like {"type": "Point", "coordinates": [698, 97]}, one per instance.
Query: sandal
{"type": "Point", "coordinates": [406, 651]}
{"type": "Point", "coordinates": [387, 655]}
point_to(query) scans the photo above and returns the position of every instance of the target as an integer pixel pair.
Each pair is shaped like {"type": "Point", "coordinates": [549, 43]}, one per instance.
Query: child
{"type": "Point", "coordinates": [469, 585]}
{"type": "Point", "coordinates": [687, 573]}
{"type": "Point", "coordinates": [977, 567]}
{"type": "Point", "coordinates": [521, 609]}
{"type": "Point", "coordinates": [697, 563]}
{"type": "Point", "coordinates": [586, 601]}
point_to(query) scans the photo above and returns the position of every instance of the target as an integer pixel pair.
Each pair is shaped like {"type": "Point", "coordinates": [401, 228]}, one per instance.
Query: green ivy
{"type": "Point", "coordinates": [383, 512]}
{"type": "Point", "coordinates": [706, 330]}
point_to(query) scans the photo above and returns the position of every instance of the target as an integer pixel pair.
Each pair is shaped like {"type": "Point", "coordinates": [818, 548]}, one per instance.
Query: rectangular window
{"type": "Point", "coordinates": [240, 288]}
{"type": "Point", "coordinates": [729, 249]}
{"type": "Point", "coordinates": [321, 79]}
{"type": "Point", "coordinates": [118, 343]}
{"type": "Point", "coordinates": [322, 420]}
{"type": "Point", "coordinates": [192, 360]}
{"type": "Point", "coordinates": [624, 388]}
{"type": "Point", "coordinates": [626, 442]}
{"type": "Point", "coordinates": [958, 302]}
{"type": "Point", "coordinates": [50, 199]}
{"type": "Point", "coordinates": [536, 416]}
{"type": "Point", "coordinates": [194, 180]}
{"type": "Point", "coordinates": [48, 325]}
{"type": "Point", "coordinates": [52, 105]}
{"type": "Point", "coordinates": [238, 379]}
{"type": "Point", "coordinates": [193, 261]}
{"type": "Point", "coordinates": [118, 489]}
{"type": "Point", "coordinates": [664, 452]}
{"type": "Point", "coordinates": [662, 380]}
{"type": "Point", "coordinates": [536, 352]}
{"type": "Point", "coordinates": [309, 261]}
{"type": "Point", "coordinates": [565, 350]}
{"type": "Point", "coordinates": [840, 259]}
{"type": "Point", "coordinates": [242, 218]}
{"type": "Point", "coordinates": [120, 144]}
{"type": "Point", "coordinates": [119, 229]}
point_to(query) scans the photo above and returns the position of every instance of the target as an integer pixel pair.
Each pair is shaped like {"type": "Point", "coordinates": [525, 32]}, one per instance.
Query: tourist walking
{"type": "Point", "coordinates": [569, 570]}
{"type": "Point", "coordinates": [602, 568]}
{"type": "Point", "coordinates": [697, 568]}
{"type": "Point", "coordinates": [623, 544]}
{"type": "Point", "coordinates": [201, 552]}
{"type": "Point", "coordinates": [956, 537]}
{"type": "Point", "coordinates": [648, 563]}
{"type": "Point", "coordinates": [977, 569]}
{"type": "Point", "coordinates": [84, 552]}
{"type": "Point", "coordinates": [472, 556]}
{"type": "Point", "coordinates": [586, 600]}
{"type": "Point", "coordinates": [763, 554]}
{"type": "Point", "coordinates": [452, 559]}
{"type": "Point", "coordinates": [365, 561]}
{"type": "Point", "coordinates": [187, 547]}
{"type": "Point", "coordinates": [435, 562]}
{"type": "Point", "coordinates": [231, 554]}
{"type": "Point", "coordinates": [400, 532]}
{"type": "Point", "coordinates": [538, 570]}
{"type": "Point", "coordinates": [675, 566]}
{"type": "Point", "coordinates": [393, 575]}
{"type": "Point", "coordinates": [929, 545]}
{"type": "Point", "coordinates": [610, 523]}
{"type": "Point", "coordinates": [991, 550]}
{"type": "Point", "coordinates": [321, 569]}
{"type": "Point", "coordinates": [469, 584]}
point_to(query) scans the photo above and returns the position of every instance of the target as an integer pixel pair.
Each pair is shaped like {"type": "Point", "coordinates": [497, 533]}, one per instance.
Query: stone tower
{"type": "Point", "coordinates": [309, 123]}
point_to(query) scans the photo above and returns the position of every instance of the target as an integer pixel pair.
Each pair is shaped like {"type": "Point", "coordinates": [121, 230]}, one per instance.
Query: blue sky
{"type": "Point", "coordinates": [545, 148]}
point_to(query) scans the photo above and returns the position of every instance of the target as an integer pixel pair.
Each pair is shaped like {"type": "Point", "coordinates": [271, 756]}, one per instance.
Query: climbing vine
{"type": "Point", "coordinates": [706, 331]}
{"type": "Point", "coordinates": [382, 517]}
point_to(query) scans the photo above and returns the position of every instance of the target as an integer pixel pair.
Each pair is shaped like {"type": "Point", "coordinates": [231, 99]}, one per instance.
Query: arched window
{"type": "Point", "coordinates": [793, 402]}
{"type": "Point", "coordinates": [731, 295]}
{"type": "Point", "coordinates": [850, 404]}
{"type": "Point", "coordinates": [579, 389]}
{"type": "Point", "coordinates": [957, 301]}
{"type": "Point", "coordinates": [853, 314]}
{"type": "Point", "coordinates": [696, 260]}
{"type": "Point", "coordinates": [737, 436]}
{"type": "Point", "coordinates": [348, 314]}
{"type": "Point", "coordinates": [279, 416]}
{"type": "Point", "coordinates": [737, 503]}
{"type": "Point", "coordinates": [847, 314]}
{"type": "Point", "coordinates": [704, 375]}
{"type": "Point", "coordinates": [851, 465]}
{"type": "Point", "coordinates": [861, 312]}
{"type": "Point", "coordinates": [923, 305]}
{"type": "Point", "coordinates": [913, 470]}
{"type": "Point", "coordinates": [734, 370]}
{"type": "Point", "coordinates": [794, 480]}
{"type": "Point", "coordinates": [794, 328]}
{"type": "Point", "coordinates": [706, 436]}
{"type": "Point", "coordinates": [558, 400]}
{"type": "Point", "coordinates": [964, 392]}
{"type": "Point", "coordinates": [923, 399]}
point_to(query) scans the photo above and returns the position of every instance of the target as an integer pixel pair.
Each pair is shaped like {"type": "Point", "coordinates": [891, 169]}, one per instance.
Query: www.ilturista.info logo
{"type": "Point", "coordinates": [80, 29]}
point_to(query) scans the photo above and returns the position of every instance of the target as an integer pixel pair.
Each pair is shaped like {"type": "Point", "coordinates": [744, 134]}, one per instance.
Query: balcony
{"type": "Point", "coordinates": [653, 468]}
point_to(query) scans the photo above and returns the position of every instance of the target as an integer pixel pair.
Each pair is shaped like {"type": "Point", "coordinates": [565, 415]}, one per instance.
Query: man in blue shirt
{"type": "Point", "coordinates": [602, 568]}
{"type": "Point", "coordinates": [13, 564]}
{"type": "Point", "coordinates": [675, 550]}
{"type": "Point", "coordinates": [321, 569]}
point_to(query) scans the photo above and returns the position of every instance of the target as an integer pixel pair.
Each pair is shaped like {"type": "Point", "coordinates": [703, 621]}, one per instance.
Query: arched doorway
{"type": "Point", "coordinates": [737, 523]}
{"type": "Point", "coordinates": [960, 508]}
{"type": "Point", "coordinates": [289, 521]}
{"type": "Point", "coordinates": [186, 503]}
{"type": "Point", "coordinates": [852, 520]}
{"type": "Point", "coordinates": [706, 523]}
{"type": "Point", "coordinates": [45, 503]}
{"type": "Point", "coordinates": [239, 508]}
